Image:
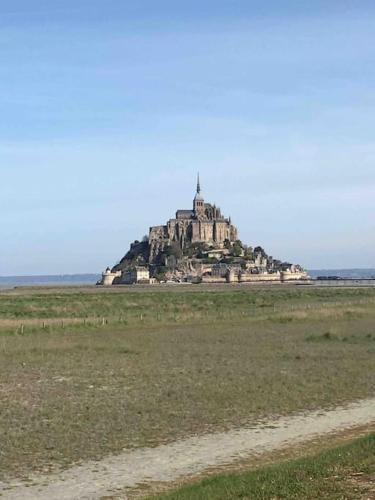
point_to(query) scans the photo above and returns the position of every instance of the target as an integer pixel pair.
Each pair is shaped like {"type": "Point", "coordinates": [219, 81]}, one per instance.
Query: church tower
{"type": "Point", "coordinates": [198, 202]}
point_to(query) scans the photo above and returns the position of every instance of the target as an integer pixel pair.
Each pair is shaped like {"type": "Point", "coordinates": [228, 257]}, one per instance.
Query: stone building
{"type": "Point", "coordinates": [135, 274]}
{"type": "Point", "coordinates": [198, 244]}
{"type": "Point", "coordinates": [108, 277]}
{"type": "Point", "coordinates": [221, 269]}
{"type": "Point", "coordinates": [204, 223]}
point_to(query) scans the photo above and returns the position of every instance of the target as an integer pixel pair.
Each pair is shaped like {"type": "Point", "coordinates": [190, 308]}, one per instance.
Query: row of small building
{"type": "Point", "coordinates": [217, 273]}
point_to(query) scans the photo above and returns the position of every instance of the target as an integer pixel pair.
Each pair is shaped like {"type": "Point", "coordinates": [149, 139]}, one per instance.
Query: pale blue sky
{"type": "Point", "coordinates": [109, 108]}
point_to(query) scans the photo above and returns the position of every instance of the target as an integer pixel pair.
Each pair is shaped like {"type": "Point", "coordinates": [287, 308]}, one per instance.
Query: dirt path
{"type": "Point", "coordinates": [93, 480]}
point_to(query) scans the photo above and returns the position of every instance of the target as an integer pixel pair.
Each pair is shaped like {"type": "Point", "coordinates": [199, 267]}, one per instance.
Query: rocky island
{"type": "Point", "coordinates": [198, 245]}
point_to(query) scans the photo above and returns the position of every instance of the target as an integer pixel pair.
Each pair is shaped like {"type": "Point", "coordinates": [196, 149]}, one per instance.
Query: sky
{"type": "Point", "coordinates": [108, 109]}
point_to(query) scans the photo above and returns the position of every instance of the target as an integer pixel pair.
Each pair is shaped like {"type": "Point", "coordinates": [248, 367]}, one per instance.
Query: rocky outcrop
{"type": "Point", "coordinates": [201, 244]}
{"type": "Point", "coordinates": [138, 255]}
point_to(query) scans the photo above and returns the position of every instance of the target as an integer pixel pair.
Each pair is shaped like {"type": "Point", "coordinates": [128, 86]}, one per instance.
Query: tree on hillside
{"type": "Point", "coordinates": [173, 249]}
{"type": "Point", "coordinates": [237, 249]}
{"type": "Point", "coordinates": [249, 254]}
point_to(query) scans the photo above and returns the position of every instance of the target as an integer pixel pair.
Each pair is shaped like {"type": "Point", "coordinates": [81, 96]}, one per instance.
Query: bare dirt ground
{"type": "Point", "coordinates": [187, 457]}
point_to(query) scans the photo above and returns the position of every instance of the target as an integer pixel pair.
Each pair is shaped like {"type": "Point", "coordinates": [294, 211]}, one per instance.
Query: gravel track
{"type": "Point", "coordinates": [95, 479]}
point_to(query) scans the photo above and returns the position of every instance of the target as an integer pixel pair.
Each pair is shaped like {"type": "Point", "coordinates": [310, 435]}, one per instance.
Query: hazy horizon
{"type": "Point", "coordinates": [98, 274]}
{"type": "Point", "coordinates": [109, 110]}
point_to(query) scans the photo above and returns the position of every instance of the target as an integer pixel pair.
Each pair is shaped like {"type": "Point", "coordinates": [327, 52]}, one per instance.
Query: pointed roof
{"type": "Point", "coordinates": [198, 195]}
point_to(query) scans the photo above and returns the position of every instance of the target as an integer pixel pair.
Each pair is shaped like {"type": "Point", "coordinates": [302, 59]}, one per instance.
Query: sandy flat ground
{"type": "Point", "coordinates": [187, 457]}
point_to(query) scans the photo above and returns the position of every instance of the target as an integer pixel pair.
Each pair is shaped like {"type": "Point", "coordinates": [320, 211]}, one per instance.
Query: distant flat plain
{"type": "Point", "coordinates": [85, 372]}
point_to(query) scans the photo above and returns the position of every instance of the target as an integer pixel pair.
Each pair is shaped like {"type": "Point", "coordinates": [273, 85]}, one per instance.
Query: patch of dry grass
{"type": "Point", "coordinates": [170, 364]}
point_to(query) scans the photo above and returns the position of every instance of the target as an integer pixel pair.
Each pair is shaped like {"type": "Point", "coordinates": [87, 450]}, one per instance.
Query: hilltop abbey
{"type": "Point", "coordinates": [204, 223]}
{"type": "Point", "coordinates": [197, 245]}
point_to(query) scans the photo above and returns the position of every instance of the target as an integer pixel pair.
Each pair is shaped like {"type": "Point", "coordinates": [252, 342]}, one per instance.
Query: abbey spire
{"type": "Point", "coordinates": [198, 202]}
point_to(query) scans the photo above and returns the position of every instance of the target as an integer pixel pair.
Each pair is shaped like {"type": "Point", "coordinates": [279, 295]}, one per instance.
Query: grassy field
{"type": "Point", "coordinates": [345, 472]}
{"type": "Point", "coordinates": [88, 372]}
